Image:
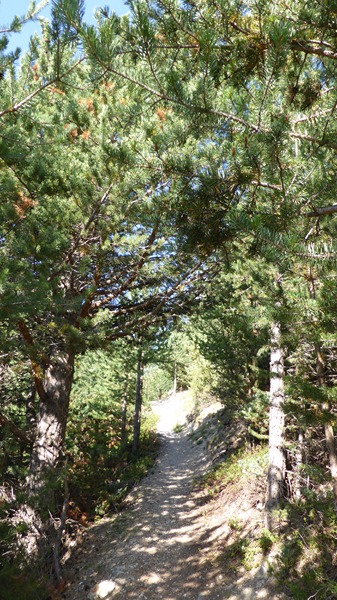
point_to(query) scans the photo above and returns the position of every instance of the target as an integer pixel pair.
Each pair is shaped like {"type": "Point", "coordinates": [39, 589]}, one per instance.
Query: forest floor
{"type": "Point", "coordinates": [170, 543]}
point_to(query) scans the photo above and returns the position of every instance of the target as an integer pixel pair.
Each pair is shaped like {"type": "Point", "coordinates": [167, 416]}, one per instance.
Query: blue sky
{"type": "Point", "coordinates": [10, 8]}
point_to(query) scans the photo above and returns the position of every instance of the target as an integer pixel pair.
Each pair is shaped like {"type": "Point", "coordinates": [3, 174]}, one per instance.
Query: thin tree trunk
{"type": "Point", "coordinates": [138, 403]}
{"type": "Point", "coordinates": [298, 465]}
{"type": "Point", "coordinates": [124, 414]}
{"type": "Point", "coordinates": [331, 448]}
{"type": "Point", "coordinates": [276, 468]}
{"type": "Point", "coordinates": [175, 378]}
{"type": "Point", "coordinates": [30, 408]}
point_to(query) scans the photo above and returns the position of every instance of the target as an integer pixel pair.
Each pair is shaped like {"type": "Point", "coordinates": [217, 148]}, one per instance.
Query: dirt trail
{"type": "Point", "coordinates": [161, 547]}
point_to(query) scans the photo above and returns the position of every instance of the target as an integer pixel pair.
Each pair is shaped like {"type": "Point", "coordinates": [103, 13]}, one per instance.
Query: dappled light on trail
{"type": "Point", "coordinates": [160, 548]}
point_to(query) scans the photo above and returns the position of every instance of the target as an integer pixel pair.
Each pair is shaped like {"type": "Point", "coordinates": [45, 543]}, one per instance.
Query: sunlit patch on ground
{"type": "Point", "coordinates": [168, 543]}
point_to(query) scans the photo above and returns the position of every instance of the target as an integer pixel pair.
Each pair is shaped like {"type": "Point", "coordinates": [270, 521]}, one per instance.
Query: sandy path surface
{"type": "Point", "coordinates": [161, 547]}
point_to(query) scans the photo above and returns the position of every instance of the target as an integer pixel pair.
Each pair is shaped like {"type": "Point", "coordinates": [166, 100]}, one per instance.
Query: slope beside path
{"type": "Point", "coordinates": [163, 546]}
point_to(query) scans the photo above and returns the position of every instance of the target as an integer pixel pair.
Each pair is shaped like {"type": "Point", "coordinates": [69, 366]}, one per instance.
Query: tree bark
{"type": "Point", "coordinates": [42, 480]}
{"type": "Point", "coordinates": [30, 408]}
{"type": "Point", "coordinates": [298, 465]}
{"type": "Point", "coordinates": [51, 419]}
{"type": "Point", "coordinates": [276, 468]}
{"type": "Point", "coordinates": [138, 402]}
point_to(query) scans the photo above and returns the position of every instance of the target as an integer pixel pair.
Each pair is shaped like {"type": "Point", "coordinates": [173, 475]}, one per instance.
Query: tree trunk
{"type": "Point", "coordinates": [51, 419]}
{"type": "Point", "coordinates": [138, 403]}
{"type": "Point", "coordinates": [46, 455]}
{"type": "Point", "coordinates": [30, 409]}
{"type": "Point", "coordinates": [331, 448]}
{"type": "Point", "coordinates": [298, 465]}
{"type": "Point", "coordinates": [124, 414]}
{"type": "Point", "coordinates": [276, 469]}
{"type": "Point", "coordinates": [175, 378]}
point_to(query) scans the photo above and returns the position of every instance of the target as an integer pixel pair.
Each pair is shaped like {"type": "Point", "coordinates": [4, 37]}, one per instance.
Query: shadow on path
{"type": "Point", "coordinates": [162, 546]}
{"type": "Point", "coordinates": [155, 549]}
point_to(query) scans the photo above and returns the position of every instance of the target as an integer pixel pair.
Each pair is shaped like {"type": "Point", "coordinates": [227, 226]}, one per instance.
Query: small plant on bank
{"type": "Point", "coordinates": [233, 555]}
{"type": "Point", "coordinates": [243, 464]}
{"type": "Point", "coordinates": [307, 560]}
{"type": "Point", "coordinates": [266, 541]}
{"type": "Point", "coordinates": [235, 524]}
{"type": "Point", "coordinates": [178, 428]}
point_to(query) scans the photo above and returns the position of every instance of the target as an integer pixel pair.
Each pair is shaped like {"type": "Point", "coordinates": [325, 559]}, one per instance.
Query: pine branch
{"type": "Point", "coordinates": [79, 238]}
{"type": "Point", "coordinates": [156, 303]}
{"type": "Point", "coordinates": [165, 97]}
{"type": "Point", "coordinates": [126, 285]}
{"type": "Point", "coordinates": [22, 103]}
{"type": "Point", "coordinates": [310, 138]}
{"type": "Point", "coordinates": [323, 210]}
{"type": "Point", "coordinates": [19, 21]}
{"type": "Point", "coordinates": [16, 431]}
{"type": "Point", "coordinates": [303, 46]}
{"type": "Point", "coordinates": [312, 117]}
{"type": "Point", "coordinates": [188, 105]}
{"type": "Point", "coordinates": [265, 184]}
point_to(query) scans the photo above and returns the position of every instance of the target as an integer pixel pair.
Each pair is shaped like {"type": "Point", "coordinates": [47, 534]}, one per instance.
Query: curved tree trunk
{"type": "Point", "coordinates": [276, 468]}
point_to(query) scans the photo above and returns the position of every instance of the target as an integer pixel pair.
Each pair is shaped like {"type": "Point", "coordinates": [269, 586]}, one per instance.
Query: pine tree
{"type": "Point", "coordinates": [87, 250]}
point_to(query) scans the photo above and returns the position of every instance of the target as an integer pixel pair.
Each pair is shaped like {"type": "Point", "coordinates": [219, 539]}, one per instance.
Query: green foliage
{"type": "Point", "coordinates": [267, 540]}
{"type": "Point", "coordinates": [242, 464]}
{"type": "Point", "coordinates": [306, 563]}
{"type": "Point", "coordinates": [231, 331]}
{"type": "Point", "coordinates": [18, 407]}
{"type": "Point", "coordinates": [101, 469]}
{"type": "Point", "coordinates": [101, 476]}
{"type": "Point", "coordinates": [19, 583]}
{"type": "Point", "coordinates": [234, 554]}
{"type": "Point", "coordinates": [178, 428]}
{"type": "Point", "coordinates": [17, 579]}
{"type": "Point", "coordinates": [255, 414]}
{"type": "Point", "coordinates": [157, 382]}
{"type": "Point", "coordinates": [182, 163]}
{"type": "Point", "coordinates": [98, 384]}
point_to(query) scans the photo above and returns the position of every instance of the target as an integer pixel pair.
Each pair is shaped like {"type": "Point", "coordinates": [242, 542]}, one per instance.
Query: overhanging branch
{"type": "Point", "coordinates": [323, 210]}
